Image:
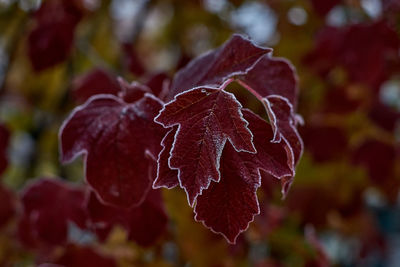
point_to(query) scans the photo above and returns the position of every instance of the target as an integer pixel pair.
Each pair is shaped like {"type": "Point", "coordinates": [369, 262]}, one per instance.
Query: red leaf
{"type": "Point", "coordinates": [49, 205]}
{"type": "Point", "coordinates": [227, 207]}
{"type": "Point", "coordinates": [4, 139]}
{"type": "Point", "coordinates": [145, 223]}
{"type": "Point", "coordinates": [166, 177]}
{"type": "Point", "coordinates": [235, 57]}
{"type": "Point", "coordinates": [119, 140]}
{"type": "Point", "coordinates": [97, 81]}
{"type": "Point", "coordinates": [272, 76]}
{"type": "Point", "coordinates": [207, 118]}
{"type": "Point", "coordinates": [283, 122]}
{"type": "Point", "coordinates": [75, 256]}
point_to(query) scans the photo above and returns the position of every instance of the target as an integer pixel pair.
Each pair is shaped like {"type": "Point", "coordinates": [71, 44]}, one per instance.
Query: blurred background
{"type": "Point", "coordinates": [343, 208]}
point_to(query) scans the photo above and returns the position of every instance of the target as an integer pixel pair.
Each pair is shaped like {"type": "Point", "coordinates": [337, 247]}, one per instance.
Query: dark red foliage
{"type": "Point", "coordinates": [51, 40]}
{"type": "Point", "coordinates": [229, 206]}
{"type": "Point", "coordinates": [49, 205]}
{"type": "Point", "coordinates": [4, 140]}
{"type": "Point", "coordinates": [119, 141]}
{"type": "Point", "coordinates": [235, 57]}
{"type": "Point", "coordinates": [8, 205]}
{"type": "Point", "coordinates": [97, 81]}
{"type": "Point", "coordinates": [366, 57]}
{"type": "Point", "coordinates": [75, 256]}
{"type": "Point", "coordinates": [145, 223]}
{"type": "Point", "coordinates": [207, 118]}
{"type": "Point", "coordinates": [325, 143]}
{"type": "Point", "coordinates": [261, 75]}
